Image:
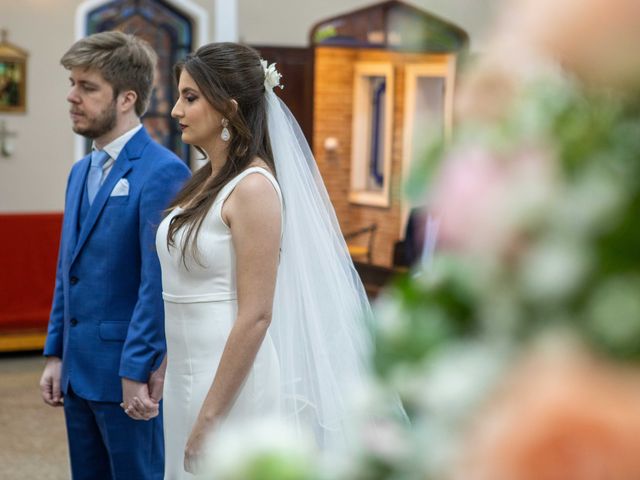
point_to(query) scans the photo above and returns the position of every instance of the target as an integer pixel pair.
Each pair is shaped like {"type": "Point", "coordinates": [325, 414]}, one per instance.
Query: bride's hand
{"type": "Point", "coordinates": [193, 450]}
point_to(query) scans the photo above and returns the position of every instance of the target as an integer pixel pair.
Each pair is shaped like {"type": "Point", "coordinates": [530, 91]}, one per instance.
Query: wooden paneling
{"type": "Point", "coordinates": [296, 67]}
{"type": "Point", "coordinates": [333, 112]}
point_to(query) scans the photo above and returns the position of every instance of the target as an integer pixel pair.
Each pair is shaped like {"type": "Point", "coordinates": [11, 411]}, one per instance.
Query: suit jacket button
{"type": "Point", "coordinates": [73, 280]}
{"type": "Point", "coordinates": [73, 322]}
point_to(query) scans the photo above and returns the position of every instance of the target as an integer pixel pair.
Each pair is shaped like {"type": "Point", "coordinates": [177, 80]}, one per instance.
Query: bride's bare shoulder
{"type": "Point", "coordinates": [259, 162]}
{"type": "Point", "coordinates": [255, 185]}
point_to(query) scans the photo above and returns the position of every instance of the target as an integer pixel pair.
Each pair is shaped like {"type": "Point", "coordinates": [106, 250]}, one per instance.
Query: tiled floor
{"type": "Point", "coordinates": [33, 442]}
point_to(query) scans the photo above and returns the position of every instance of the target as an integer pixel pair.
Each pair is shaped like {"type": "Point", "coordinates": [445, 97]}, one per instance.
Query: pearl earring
{"type": "Point", "coordinates": [225, 135]}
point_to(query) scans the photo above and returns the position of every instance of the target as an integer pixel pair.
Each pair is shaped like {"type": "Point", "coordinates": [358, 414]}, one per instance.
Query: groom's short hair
{"type": "Point", "coordinates": [125, 61]}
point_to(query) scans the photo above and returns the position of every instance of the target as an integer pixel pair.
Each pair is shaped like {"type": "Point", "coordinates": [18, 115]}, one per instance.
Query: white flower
{"type": "Point", "coordinates": [271, 75]}
{"type": "Point", "coordinates": [453, 386]}
{"type": "Point", "coordinates": [238, 447]}
{"type": "Point", "coordinates": [554, 268]}
{"type": "Point", "coordinates": [460, 377]}
{"type": "Point", "coordinates": [391, 318]}
{"type": "Point", "coordinates": [590, 204]}
{"type": "Point", "coordinates": [385, 440]}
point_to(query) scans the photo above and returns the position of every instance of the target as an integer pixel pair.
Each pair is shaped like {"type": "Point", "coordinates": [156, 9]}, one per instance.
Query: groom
{"type": "Point", "coordinates": [106, 331]}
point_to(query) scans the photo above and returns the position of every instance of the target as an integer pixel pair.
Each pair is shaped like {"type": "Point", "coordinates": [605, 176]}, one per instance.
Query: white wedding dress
{"type": "Point", "coordinates": [200, 309]}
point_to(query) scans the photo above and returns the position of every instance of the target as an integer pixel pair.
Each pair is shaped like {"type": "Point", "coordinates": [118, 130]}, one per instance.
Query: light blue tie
{"type": "Point", "coordinates": [98, 158]}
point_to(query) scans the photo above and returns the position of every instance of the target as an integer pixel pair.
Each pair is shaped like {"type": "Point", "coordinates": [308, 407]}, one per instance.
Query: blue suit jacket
{"type": "Point", "coordinates": [107, 318]}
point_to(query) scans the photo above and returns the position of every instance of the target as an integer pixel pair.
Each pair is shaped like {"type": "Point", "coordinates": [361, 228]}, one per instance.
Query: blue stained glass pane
{"type": "Point", "coordinates": [376, 133]}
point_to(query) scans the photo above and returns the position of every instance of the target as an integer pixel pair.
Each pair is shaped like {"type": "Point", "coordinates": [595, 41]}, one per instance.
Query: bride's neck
{"type": "Point", "coordinates": [217, 154]}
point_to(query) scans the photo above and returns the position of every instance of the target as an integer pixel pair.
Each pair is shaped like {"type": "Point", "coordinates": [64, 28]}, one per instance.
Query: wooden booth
{"type": "Point", "coordinates": [383, 88]}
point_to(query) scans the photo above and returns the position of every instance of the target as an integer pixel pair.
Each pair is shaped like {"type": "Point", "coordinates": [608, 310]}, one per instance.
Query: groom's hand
{"type": "Point", "coordinates": [136, 400]}
{"type": "Point", "coordinates": [50, 382]}
{"type": "Point", "coordinates": [156, 382]}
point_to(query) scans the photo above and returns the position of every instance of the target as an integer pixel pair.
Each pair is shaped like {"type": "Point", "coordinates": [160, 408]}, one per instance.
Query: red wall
{"type": "Point", "coordinates": [28, 255]}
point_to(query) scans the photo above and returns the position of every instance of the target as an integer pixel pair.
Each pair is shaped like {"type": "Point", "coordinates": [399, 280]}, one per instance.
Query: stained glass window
{"type": "Point", "coordinates": [170, 33]}
{"type": "Point", "coordinates": [372, 132]}
{"type": "Point", "coordinates": [377, 91]}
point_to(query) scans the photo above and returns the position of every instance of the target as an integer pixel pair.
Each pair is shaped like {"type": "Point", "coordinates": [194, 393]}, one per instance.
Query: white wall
{"type": "Point", "coordinates": [34, 177]}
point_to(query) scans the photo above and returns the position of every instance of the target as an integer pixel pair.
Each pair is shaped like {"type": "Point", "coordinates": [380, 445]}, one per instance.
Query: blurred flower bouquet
{"type": "Point", "coordinates": [538, 260]}
{"type": "Point", "coordinates": [516, 350]}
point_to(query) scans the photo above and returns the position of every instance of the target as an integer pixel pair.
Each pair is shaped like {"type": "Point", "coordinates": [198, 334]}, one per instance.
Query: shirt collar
{"type": "Point", "coordinates": [115, 147]}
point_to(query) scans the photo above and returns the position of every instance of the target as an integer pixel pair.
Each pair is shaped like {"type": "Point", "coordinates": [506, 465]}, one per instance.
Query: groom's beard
{"type": "Point", "coordinates": [100, 125]}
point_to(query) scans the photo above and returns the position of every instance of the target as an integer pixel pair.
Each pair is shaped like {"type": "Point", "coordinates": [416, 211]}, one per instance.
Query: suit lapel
{"type": "Point", "coordinates": [75, 202]}
{"type": "Point", "coordinates": [132, 151]}
{"type": "Point", "coordinates": [120, 168]}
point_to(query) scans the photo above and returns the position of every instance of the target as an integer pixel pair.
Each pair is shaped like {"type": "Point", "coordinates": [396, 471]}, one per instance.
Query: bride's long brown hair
{"type": "Point", "coordinates": [223, 72]}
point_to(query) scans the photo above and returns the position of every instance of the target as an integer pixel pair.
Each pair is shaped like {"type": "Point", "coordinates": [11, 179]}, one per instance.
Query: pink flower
{"type": "Point", "coordinates": [483, 201]}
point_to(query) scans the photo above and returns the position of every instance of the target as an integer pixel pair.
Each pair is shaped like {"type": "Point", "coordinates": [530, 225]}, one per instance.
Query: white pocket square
{"type": "Point", "coordinates": [121, 189]}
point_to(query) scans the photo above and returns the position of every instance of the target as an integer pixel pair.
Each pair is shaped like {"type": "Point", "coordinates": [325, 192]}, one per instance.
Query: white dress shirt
{"type": "Point", "coordinates": [114, 148]}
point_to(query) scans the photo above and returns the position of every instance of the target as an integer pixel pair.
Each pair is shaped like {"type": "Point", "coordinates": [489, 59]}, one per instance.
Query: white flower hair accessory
{"type": "Point", "coordinates": [271, 75]}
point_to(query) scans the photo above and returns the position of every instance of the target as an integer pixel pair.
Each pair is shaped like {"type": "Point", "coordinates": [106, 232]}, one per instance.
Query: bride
{"type": "Point", "coordinates": [264, 312]}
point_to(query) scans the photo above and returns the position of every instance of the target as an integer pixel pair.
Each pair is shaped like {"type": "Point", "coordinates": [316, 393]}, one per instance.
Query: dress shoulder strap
{"type": "Point", "coordinates": [229, 187]}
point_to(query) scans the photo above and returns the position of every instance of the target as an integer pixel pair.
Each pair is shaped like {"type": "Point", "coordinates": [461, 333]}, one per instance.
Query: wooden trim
{"type": "Point", "coordinates": [13, 342]}
{"type": "Point", "coordinates": [441, 66]}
